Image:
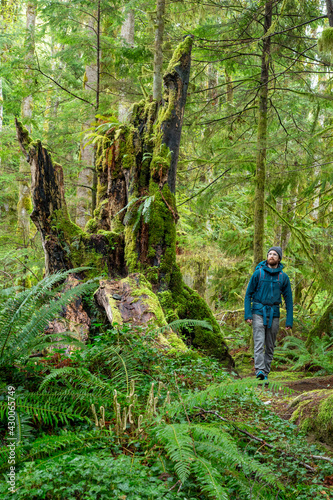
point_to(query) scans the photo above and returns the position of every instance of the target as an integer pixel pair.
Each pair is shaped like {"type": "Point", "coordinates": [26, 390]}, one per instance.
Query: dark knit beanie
{"type": "Point", "coordinates": [278, 250]}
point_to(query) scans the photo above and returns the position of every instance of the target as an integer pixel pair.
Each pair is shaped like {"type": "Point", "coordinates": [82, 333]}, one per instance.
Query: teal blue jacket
{"type": "Point", "coordinates": [264, 294]}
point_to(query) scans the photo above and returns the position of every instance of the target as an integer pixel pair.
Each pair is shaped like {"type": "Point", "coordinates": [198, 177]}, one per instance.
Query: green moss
{"type": "Point", "coordinates": [101, 191]}
{"type": "Point", "coordinates": [325, 42]}
{"type": "Point", "coordinates": [162, 230]}
{"type": "Point", "coordinates": [116, 225]}
{"type": "Point", "coordinates": [314, 413]}
{"type": "Point", "coordinates": [115, 311]}
{"type": "Point", "coordinates": [287, 375]}
{"type": "Point", "coordinates": [127, 151]}
{"type": "Point", "coordinates": [152, 302]}
{"type": "Point", "coordinates": [62, 224]}
{"type": "Point", "coordinates": [175, 341]}
{"type": "Point", "coordinates": [298, 413]}
{"type": "Point", "coordinates": [183, 48]}
{"type": "Point", "coordinates": [131, 256]}
{"type": "Point", "coordinates": [100, 206]}
{"type": "Point", "coordinates": [91, 226]}
{"type": "Point", "coordinates": [111, 236]}
{"type": "Point", "coordinates": [168, 305]}
{"type": "Point", "coordinates": [25, 203]}
{"type": "Point", "coordinates": [151, 273]}
{"type": "Point", "coordinates": [307, 425]}
{"type": "Point", "coordinates": [325, 414]}
{"type": "Point", "coordinates": [26, 139]}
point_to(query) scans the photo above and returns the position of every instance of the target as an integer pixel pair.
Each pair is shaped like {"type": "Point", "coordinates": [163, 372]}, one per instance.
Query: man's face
{"type": "Point", "coordinates": [273, 258]}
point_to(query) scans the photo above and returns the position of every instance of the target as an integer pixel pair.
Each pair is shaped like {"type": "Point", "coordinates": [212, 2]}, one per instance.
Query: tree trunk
{"type": "Point", "coordinates": [329, 7]}
{"type": "Point", "coordinates": [1, 106]}
{"type": "Point", "coordinates": [213, 99]}
{"type": "Point", "coordinates": [324, 324]}
{"type": "Point", "coordinates": [134, 229]}
{"type": "Point", "coordinates": [158, 55]}
{"type": "Point", "coordinates": [86, 189]}
{"type": "Point", "coordinates": [259, 199]}
{"type": "Point", "coordinates": [127, 35]}
{"type": "Point", "coordinates": [24, 205]}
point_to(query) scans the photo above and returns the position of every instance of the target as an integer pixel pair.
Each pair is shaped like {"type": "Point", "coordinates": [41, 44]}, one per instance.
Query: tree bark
{"type": "Point", "coordinates": [24, 204]}
{"type": "Point", "coordinates": [86, 190]}
{"type": "Point", "coordinates": [1, 106]}
{"type": "Point", "coordinates": [329, 7]}
{"type": "Point", "coordinates": [127, 35]}
{"type": "Point", "coordinates": [134, 228]}
{"type": "Point", "coordinates": [324, 324]}
{"type": "Point", "coordinates": [259, 199]}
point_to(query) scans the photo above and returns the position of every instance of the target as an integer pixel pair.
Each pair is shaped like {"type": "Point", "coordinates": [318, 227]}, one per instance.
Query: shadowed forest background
{"type": "Point", "coordinates": [176, 141]}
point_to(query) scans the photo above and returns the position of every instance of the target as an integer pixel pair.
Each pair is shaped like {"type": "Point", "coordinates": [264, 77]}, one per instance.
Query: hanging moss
{"type": "Point", "coordinates": [25, 136]}
{"type": "Point", "coordinates": [101, 191]}
{"type": "Point", "coordinates": [325, 42]}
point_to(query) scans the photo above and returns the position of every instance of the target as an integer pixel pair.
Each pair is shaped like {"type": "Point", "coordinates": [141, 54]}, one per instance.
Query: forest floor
{"type": "Point", "coordinates": [280, 400]}
{"type": "Point", "coordinates": [284, 387]}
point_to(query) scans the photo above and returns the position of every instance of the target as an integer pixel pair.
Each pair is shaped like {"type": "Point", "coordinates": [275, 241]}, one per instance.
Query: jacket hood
{"type": "Point", "coordinates": [263, 265]}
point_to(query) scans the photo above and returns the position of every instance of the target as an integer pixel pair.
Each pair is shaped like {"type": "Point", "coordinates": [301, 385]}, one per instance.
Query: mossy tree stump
{"type": "Point", "coordinates": [134, 224]}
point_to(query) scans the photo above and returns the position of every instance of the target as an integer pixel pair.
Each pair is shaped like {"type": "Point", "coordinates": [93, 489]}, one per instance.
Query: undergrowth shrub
{"type": "Point", "coordinates": [120, 418]}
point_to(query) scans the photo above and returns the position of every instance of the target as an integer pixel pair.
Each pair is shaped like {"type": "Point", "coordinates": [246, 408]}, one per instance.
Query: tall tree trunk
{"type": "Point", "coordinates": [1, 106]}
{"type": "Point", "coordinates": [24, 205]}
{"type": "Point", "coordinates": [213, 99]}
{"type": "Point", "coordinates": [158, 54]}
{"type": "Point", "coordinates": [329, 8]}
{"type": "Point", "coordinates": [134, 229]}
{"type": "Point", "coordinates": [230, 88]}
{"type": "Point", "coordinates": [259, 199]}
{"type": "Point", "coordinates": [127, 35]}
{"type": "Point", "coordinates": [86, 189]}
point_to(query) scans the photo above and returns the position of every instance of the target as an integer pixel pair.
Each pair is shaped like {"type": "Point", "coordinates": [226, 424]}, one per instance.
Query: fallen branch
{"type": "Point", "coordinates": [259, 440]}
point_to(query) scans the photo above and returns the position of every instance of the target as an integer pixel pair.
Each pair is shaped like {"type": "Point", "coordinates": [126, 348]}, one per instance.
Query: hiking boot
{"type": "Point", "coordinates": [260, 375]}
{"type": "Point", "coordinates": [266, 380]}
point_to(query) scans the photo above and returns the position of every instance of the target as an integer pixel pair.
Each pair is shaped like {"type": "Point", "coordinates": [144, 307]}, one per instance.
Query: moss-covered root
{"type": "Point", "coordinates": [314, 413]}
{"type": "Point", "coordinates": [187, 303]}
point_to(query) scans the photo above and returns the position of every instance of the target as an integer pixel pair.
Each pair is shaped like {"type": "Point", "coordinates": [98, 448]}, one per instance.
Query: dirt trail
{"type": "Point", "coordinates": [280, 403]}
{"type": "Point", "coordinates": [310, 384]}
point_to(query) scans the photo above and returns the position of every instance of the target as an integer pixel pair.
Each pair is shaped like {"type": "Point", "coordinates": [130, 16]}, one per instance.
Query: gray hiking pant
{"type": "Point", "coordinates": [264, 342]}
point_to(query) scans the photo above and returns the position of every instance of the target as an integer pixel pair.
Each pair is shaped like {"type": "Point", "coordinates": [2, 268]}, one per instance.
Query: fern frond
{"type": "Point", "coordinates": [79, 378]}
{"type": "Point", "coordinates": [47, 412]}
{"type": "Point", "coordinates": [52, 446]}
{"type": "Point", "coordinates": [121, 365]}
{"type": "Point", "coordinates": [210, 479]}
{"type": "Point", "coordinates": [23, 427]}
{"type": "Point", "coordinates": [215, 444]}
{"type": "Point", "coordinates": [147, 208]}
{"type": "Point", "coordinates": [184, 323]}
{"type": "Point", "coordinates": [179, 446]}
{"type": "Point", "coordinates": [218, 391]}
{"type": "Point", "coordinates": [23, 319]}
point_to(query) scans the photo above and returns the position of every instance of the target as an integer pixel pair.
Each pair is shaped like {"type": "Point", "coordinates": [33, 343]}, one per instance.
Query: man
{"type": "Point", "coordinates": [264, 290]}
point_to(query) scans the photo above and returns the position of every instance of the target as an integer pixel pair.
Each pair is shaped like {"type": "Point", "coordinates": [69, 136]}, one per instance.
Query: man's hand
{"type": "Point", "coordinates": [249, 321]}
{"type": "Point", "coordinates": [288, 327]}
